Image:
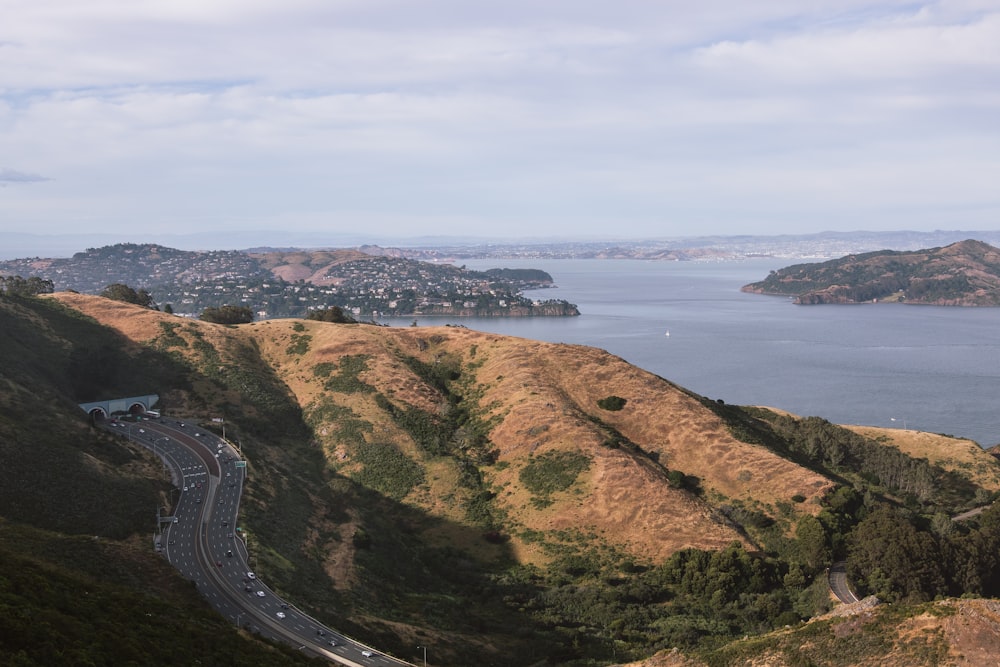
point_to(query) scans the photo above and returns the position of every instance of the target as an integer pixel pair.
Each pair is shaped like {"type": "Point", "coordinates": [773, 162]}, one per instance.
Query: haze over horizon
{"type": "Point", "coordinates": [564, 120]}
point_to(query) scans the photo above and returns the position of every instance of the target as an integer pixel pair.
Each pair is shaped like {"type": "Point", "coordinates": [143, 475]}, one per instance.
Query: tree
{"type": "Point", "coordinates": [813, 550]}
{"type": "Point", "coordinates": [168, 309]}
{"type": "Point", "coordinates": [890, 558]}
{"type": "Point", "coordinates": [227, 315]}
{"type": "Point", "coordinates": [332, 314]}
{"type": "Point", "coordinates": [122, 292]}
{"type": "Point", "coordinates": [18, 286]}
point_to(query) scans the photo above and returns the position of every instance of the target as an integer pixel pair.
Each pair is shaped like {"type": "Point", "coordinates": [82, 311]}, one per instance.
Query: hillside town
{"type": "Point", "coordinates": [368, 288]}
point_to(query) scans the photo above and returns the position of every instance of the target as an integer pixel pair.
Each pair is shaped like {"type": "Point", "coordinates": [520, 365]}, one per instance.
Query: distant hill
{"type": "Point", "coordinates": [503, 501]}
{"type": "Point", "coordinates": [966, 273]}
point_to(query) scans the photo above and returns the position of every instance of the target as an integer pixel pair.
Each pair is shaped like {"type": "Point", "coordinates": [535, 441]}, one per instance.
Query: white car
{"type": "Point", "coordinates": [280, 614]}
{"type": "Point", "coordinates": [251, 575]}
{"type": "Point", "coordinates": [367, 654]}
{"type": "Point", "coordinates": [260, 594]}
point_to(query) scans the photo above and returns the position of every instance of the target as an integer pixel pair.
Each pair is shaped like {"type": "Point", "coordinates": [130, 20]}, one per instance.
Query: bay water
{"type": "Point", "coordinates": [929, 368]}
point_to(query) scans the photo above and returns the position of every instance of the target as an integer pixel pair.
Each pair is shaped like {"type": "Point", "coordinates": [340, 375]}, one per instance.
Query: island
{"type": "Point", "coordinates": [966, 273]}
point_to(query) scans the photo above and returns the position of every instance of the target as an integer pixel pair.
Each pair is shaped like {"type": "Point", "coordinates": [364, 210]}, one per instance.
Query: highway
{"type": "Point", "coordinates": [203, 540]}
{"type": "Point", "coordinates": [839, 585]}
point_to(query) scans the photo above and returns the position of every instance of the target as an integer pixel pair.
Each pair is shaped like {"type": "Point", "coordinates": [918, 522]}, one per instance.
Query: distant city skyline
{"type": "Point", "coordinates": [516, 120]}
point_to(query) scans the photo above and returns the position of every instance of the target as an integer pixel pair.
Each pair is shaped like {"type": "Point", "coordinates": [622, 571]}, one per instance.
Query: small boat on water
{"type": "Point", "coordinates": [667, 333]}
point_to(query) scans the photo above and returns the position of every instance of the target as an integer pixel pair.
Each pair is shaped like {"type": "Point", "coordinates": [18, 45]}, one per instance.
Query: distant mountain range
{"type": "Point", "coordinates": [966, 273]}
{"type": "Point", "coordinates": [822, 244]}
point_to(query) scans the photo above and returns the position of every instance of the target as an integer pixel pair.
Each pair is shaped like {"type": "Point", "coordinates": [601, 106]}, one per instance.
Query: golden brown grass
{"type": "Point", "coordinates": [543, 397]}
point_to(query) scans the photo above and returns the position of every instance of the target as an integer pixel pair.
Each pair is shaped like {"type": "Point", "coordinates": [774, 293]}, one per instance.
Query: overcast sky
{"type": "Point", "coordinates": [518, 119]}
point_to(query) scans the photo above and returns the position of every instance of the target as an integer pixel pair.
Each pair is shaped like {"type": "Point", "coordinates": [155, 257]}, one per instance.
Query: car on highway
{"type": "Point", "coordinates": [333, 642]}
{"type": "Point", "coordinates": [260, 594]}
{"type": "Point", "coordinates": [367, 654]}
{"type": "Point", "coordinates": [280, 614]}
{"type": "Point", "coordinates": [251, 575]}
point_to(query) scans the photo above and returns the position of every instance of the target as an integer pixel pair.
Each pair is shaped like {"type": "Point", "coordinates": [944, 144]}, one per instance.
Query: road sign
{"type": "Point", "coordinates": [240, 464]}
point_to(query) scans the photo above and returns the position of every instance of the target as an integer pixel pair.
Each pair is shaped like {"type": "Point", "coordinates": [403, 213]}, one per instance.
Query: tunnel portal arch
{"type": "Point", "coordinates": [132, 405]}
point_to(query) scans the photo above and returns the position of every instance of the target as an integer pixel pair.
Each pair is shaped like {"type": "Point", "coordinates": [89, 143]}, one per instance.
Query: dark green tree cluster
{"type": "Point", "coordinates": [333, 314]}
{"type": "Point", "coordinates": [19, 287]}
{"type": "Point", "coordinates": [837, 451]}
{"type": "Point", "coordinates": [899, 558]}
{"type": "Point", "coordinates": [227, 315]}
{"type": "Point", "coordinates": [937, 287]}
{"type": "Point", "coordinates": [609, 608]}
{"type": "Point", "coordinates": [122, 292]}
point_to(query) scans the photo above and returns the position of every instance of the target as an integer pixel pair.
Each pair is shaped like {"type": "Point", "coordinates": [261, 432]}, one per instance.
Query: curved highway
{"type": "Point", "coordinates": [838, 583]}
{"type": "Point", "coordinates": [202, 539]}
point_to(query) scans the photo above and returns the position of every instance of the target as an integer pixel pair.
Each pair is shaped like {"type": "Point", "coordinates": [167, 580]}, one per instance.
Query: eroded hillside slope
{"type": "Point", "coordinates": [530, 399]}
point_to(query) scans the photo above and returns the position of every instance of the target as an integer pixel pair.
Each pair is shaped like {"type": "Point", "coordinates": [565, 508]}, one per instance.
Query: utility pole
{"type": "Point", "coordinates": [425, 654]}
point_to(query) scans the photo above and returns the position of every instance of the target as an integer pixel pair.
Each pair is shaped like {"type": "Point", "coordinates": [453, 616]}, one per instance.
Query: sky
{"type": "Point", "coordinates": [515, 119]}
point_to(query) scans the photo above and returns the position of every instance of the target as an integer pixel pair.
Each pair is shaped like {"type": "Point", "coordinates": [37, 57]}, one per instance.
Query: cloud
{"type": "Point", "coordinates": [11, 176]}
{"type": "Point", "coordinates": [420, 117]}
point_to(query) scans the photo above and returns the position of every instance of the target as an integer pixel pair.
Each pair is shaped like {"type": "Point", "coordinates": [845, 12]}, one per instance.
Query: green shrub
{"type": "Point", "coordinates": [346, 380]}
{"type": "Point", "coordinates": [299, 343]}
{"type": "Point", "coordinates": [612, 403]}
{"type": "Point", "coordinates": [553, 471]}
{"type": "Point", "coordinates": [387, 470]}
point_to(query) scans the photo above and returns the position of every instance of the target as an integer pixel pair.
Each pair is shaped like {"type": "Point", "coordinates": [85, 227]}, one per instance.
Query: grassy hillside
{"type": "Point", "coordinates": [503, 501]}
{"type": "Point", "coordinates": [80, 583]}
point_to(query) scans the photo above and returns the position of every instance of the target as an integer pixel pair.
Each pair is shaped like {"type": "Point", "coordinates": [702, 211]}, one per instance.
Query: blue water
{"type": "Point", "coordinates": [920, 367]}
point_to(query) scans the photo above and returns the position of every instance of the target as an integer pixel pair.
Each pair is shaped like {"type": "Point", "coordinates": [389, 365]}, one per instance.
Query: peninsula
{"type": "Point", "coordinates": [966, 273]}
{"type": "Point", "coordinates": [295, 283]}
